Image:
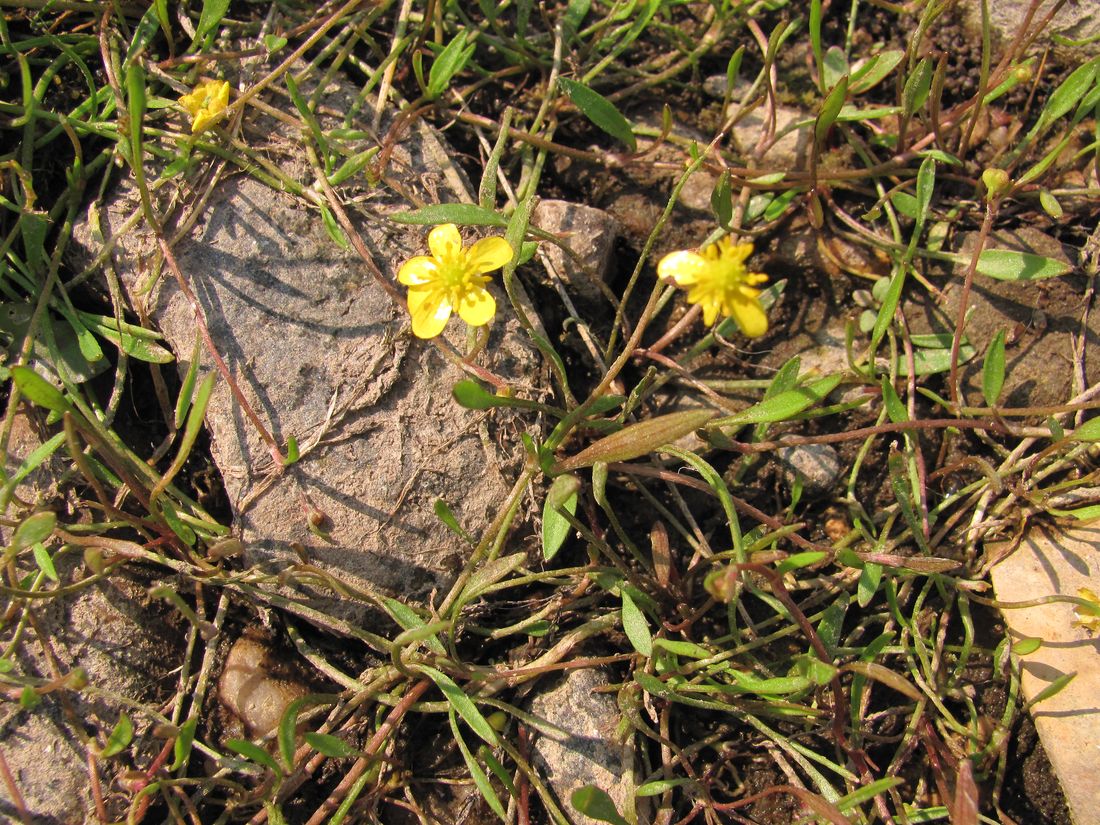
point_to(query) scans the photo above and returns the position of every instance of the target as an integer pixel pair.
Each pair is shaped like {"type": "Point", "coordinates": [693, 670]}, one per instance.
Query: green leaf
{"type": "Point", "coordinates": [830, 108]}
{"type": "Point", "coordinates": [185, 738]}
{"type": "Point", "coordinates": [595, 802]}
{"type": "Point", "coordinates": [894, 407]}
{"type": "Point", "coordinates": [835, 66]}
{"type": "Point", "coordinates": [926, 182]}
{"type": "Point", "coordinates": [463, 214]}
{"type": "Point", "coordinates": [1053, 688]}
{"type": "Point", "coordinates": [993, 369]}
{"type": "Point", "coordinates": [38, 390]}
{"type": "Point", "coordinates": [889, 305]}
{"type": "Point", "coordinates": [869, 579]}
{"type": "Point", "coordinates": [327, 745]}
{"type": "Point", "coordinates": [333, 229]}
{"type": "Point", "coordinates": [932, 361]}
{"type": "Point", "coordinates": [600, 111]}
{"type": "Point", "coordinates": [293, 453]}
{"type": "Point", "coordinates": [875, 70]}
{"type": "Point", "coordinates": [408, 619]}
{"type": "Point", "coordinates": [274, 43]}
{"type": "Point", "coordinates": [444, 514]}
{"type": "Point", "coordinates": [849, 801]}
{"type": "Point", "coordinates": [659, 786]}
{"type": "Point", "coordinates": [120, 737]}
{"type": "Point", "coordinates": [783, 406]}
{"type": "Point", "coordinates": [1067, 95]}
{"type": "Point", "coordinates": [471, 395]}
{"type": "Point", "coordinates": [721, 200]}
{"type": "Point", "coordinates": [1025, 647]}
{"type": "Point", "coordinates": [462, 704]}
{"type": "Point", "coordinates": [1050, 204]}
{"type": "Point", "coordinates": [254, 753]}
{"type": "Point", "coordinates": [213, 11]}
{"type": "Point", "coordinates": [33, 529]}
{"type": "Point", "coordinates": [638, 439]}
{"type": "Point", "coordinates": [635, 626]}
{"type": "Point", "coordinates": [447, 64]}
{"type": "Point", "coordinates": [29, 698]}
{"type": "Point", "coordinates": [917, 86]}
{"type": "Point", "coordinates": [286, 735]}
{"type": "Point", "coordinates": [1011, 265]}
{"type": "Point", "coordinates": [187, 388]}
{"type": "Point", "coordinates": [481, 780]}
{"type": "Point", "coordinates": [555, 527]}
{"type": "Point", "coordinates": [44, 562]}
{"type": "Point", "coordinates": [491, 573]}
{"type": "Point", "coordinates": [1088, 431]}
{"type": "Point", "coordinates": [796, 561]}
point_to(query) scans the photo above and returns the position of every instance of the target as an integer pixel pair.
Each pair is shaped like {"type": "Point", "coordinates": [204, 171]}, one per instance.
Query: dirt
{"type": "Point", "coordinates": [816, 289]}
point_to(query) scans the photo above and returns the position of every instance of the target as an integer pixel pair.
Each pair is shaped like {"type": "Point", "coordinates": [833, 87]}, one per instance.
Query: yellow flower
{"type": "Point", "coordinates": [1085, 617]}
{"type": "Point", "coordinates": [206, 104]}
{"type": "Point", "coordinates": [452, 279]}
{"type": "Point", "coordinates": [716, 280]}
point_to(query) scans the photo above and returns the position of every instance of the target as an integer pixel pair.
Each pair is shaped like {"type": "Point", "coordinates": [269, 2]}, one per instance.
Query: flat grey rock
{"type": "Point", "coordinates": [589, 753]}
{"type": "Point", "coordinates": [1049, 562]}
{"type": "Point", "coordinates": [128, 647]}
{"type": "Point", "coordinates": [323, 354]}
{"type": "Point", "coordinates": [1075, 21]}
{"type": "Point", "coordinates": [816, 465]}
{"type": "Point", "coordinates": [590, 235]}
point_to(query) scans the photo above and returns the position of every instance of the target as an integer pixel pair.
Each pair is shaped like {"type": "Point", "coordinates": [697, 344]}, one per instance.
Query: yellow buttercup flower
{"type": "Point", "coordinates": [206, 104]}
{"type": "Point", "coordinates": [1084, 617]}
{"type": "Point", "coordinates": [452, 279]}
{"type": "Point", "coordinates": [715, 279]}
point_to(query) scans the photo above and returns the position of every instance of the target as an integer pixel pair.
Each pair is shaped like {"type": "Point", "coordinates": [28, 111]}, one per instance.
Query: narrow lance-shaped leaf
{"type": "Point", "coordinates": [464, 214]}
{"type": "Point", "coordinates": [600, 111]}
{"type": "Point", "coordinates": [635, 626]}
{"type": "Point", "coordinates": [462, 704]}
{"type": "Point", "coordinates": [33, 529]}
{"type": "Point", "coordinates": [993, 369]}
{"type": "Point", "coordinates": [917, 86]}
{"type": "Point", "coordinates": [637, 439]}
{"type": "Point", "coordinates": [596, 803]}
{"type": "Point", "coordinates": [555, 527]}
{"type": "Point", "coordinates": [1010, 265]}
{"type": "Point", "coordinates": [783, 406]}
{"type": "Point", "coordinates": [830, 108]}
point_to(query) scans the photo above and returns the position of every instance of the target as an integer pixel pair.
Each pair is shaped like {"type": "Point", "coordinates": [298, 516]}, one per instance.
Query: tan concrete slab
{"type": "Point", "coordinates": [1049, 562]}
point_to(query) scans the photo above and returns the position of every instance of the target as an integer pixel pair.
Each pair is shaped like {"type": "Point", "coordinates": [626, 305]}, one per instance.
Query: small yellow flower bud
{"type": "Point", "coordinates": [996, 183]}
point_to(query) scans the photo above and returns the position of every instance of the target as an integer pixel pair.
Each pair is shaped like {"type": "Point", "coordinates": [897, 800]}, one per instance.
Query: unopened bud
{"type": "Point", "coordinates": [996, 183]}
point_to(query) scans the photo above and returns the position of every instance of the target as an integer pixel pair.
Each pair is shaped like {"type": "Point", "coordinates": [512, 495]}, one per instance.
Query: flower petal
{"type": "Point", "coordinates": [735, 254]}
{"type": "Point", "coordinates": [444, 241]}
{"type": "Point", "coordinates": [418, 270]}
{"type": "Point", "coordinates": [750, 317]}
{"type": "Point", "coordinates": [488, 254]}
{"type": "Point", "coordinates": [477, 307]}
{"type": "Point", "coordinates": [430, 310]}
{"type": "Point", "coordinates": [220, 99]}
{"type": "Point", "coordinates": [683, 267]}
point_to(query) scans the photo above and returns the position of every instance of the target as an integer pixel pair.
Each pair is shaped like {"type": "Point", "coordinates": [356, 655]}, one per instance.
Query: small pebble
{"type": "Point", "coordinates": [818, 465]}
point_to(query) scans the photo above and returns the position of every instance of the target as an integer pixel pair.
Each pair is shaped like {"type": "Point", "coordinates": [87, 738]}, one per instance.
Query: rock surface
{"type": "Point", "coordinates": [1039, 324]}
{"type": "Point", "coordinates": [1074, 21]}
{"type": "Point", "coordinates": [255, 687]}
{"type": "Point", "coordinates": [590, 235]}
{"type": "Point", "coordinates": [125, 645]}
{"type": "Point", "coordinates": [817, 465]}
{"type": "Point", "coordinates": [1050, 562]}
{"type": "Point", "coordinates": [323, 354]}
{"type": "Point", "coordinates": [589, 753]}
